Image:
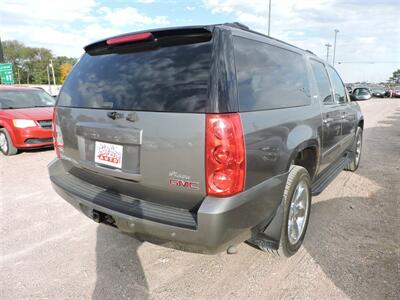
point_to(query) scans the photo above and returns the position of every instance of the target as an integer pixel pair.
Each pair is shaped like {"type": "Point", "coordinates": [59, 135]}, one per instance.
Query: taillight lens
{"type": "Point", "coordinates": [57, 137]}
{"type": "Point", "coordinates": [225, 155]}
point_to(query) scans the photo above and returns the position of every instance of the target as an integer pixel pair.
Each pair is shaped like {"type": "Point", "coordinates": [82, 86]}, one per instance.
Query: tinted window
{"type": "Point", "coordinates": [24, 99]}
{"type": "Point", "coordinates": [269, 77]}
{"type": "Point", "coordinates": [173, 79]}
{"type": "Point", "coordinates": [322, 80]}
{"type": "Point", "coordinates": [338, 86]}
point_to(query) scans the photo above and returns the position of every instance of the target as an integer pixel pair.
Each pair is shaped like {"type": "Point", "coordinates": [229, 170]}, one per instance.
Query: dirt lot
{"type": "Point", "coordinates": [49, 250]}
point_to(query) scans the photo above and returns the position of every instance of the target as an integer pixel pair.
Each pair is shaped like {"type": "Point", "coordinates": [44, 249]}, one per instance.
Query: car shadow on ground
{"type": "Point", "coordinates": [355, 240]}
{"type": "Point", "coordinates": [355, 250]}
{"type": "Point", "coordinates": [46, 149]}
{"type": "Point", "coordinates": [119, 270]}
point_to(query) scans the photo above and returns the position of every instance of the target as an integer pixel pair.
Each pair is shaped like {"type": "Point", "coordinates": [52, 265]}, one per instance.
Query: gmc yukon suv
{"type": "Point", "coordinates": [200, 138]}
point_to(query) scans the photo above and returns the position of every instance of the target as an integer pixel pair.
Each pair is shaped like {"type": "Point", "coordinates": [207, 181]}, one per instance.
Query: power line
{"type": "Point", "coordinates": [368, 62]}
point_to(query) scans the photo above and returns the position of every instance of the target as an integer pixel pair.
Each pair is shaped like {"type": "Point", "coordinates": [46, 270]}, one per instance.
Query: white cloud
{"type": "Point", "coordinates": [66, 26]}
{"type": "Point", "coordinates": [47, 10]}
{"type": "Point", "coordinates": [368, 29]}
{"type": "Point", "coordinates": [367, 40]}
{"type": "Point", "coordinates": [130, 16]}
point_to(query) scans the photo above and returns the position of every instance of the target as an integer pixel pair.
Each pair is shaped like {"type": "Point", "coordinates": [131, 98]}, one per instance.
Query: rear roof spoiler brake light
{"type": "Point", "coordinates": [130, 38]}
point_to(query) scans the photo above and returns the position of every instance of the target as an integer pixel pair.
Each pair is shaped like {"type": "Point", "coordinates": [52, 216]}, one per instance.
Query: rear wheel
{"type": "Point", "coordinates": [6, 145]}
{"type": "Point", "coordinates": [296, 204]}
{"type": "Point", "coordinates": [357, 148]}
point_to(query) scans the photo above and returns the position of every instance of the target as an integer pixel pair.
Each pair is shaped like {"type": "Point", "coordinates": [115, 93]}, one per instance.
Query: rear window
{"type": "Point", "coordinates": [269, 77]}
{"type": "Point", "coordinates": [170, 79]}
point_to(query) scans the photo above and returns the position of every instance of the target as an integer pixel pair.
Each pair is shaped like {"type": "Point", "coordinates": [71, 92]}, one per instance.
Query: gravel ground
{"type": "Point", "coordinates": [351, 250]}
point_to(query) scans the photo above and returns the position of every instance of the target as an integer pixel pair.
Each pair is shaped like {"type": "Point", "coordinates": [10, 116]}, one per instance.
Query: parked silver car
{"type": "Point", "coordinates": [361, 94]}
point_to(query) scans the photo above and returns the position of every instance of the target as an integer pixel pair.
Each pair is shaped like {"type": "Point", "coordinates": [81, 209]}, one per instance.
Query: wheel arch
{"type": "Point", "coordinates": [361, 123]}
{"type": "Point", "coordinates": [8, 128]}
{"type": "Point", "coordinates": [307, 155]}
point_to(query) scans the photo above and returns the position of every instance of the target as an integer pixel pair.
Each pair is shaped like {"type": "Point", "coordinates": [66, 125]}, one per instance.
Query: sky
{"type": "Point", "coordinates": [368, 41]}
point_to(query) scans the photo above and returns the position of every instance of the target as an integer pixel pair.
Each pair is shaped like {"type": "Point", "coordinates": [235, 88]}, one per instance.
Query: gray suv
{"type": "Point", "coordinates": [200, 138]}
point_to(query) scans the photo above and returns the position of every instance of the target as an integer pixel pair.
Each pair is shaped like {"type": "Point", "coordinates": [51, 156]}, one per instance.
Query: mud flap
{"type": "Point", "coordinates": [268, 236]}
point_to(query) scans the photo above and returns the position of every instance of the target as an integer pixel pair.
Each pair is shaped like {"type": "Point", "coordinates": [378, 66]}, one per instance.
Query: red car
{"type": "Point", "coordinates": [26, 116]}
{"type": "Point", "coordinates": [396, 94]}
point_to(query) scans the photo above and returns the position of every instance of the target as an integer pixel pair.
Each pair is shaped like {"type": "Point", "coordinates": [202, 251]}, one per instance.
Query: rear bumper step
{"type": "Point", "coordinates": [123, 203]}
{"type": "Point", "coordinates": [218, 224]}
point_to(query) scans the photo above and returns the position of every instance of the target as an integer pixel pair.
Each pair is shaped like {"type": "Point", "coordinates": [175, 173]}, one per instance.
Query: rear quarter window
{"type": "Point", "coordinates": [269, 77]}
{"type": "Point", "coordinates": [170, 79]}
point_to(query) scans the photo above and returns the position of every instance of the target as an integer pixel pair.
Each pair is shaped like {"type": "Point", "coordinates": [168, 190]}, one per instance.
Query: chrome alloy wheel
{"type": "Point", "coordinates": [298, 212]}
{"type": "Point", "coordinates": [358, 148]}
{"type": "Point", "coordinates": [3, 142]}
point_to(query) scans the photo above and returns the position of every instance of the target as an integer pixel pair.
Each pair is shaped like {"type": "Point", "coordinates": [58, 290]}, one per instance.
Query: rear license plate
{"type": "Point", "coordinates": [108, 154]}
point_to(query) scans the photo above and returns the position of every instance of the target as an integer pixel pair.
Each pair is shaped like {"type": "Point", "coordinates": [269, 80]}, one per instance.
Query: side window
{"type": "Point", "coordinates": [322, 80]}
{"type": "Point", "coordinates": [269, 77]}
{"type": "Point", "coordinates": [338, 86]}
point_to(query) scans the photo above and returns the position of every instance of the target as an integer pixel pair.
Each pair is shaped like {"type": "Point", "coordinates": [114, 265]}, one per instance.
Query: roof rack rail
{"type": "Point", "coordinates": [244, 27]}
{"type": "Point", "coordinates": [237, 25]}
{"type": "Point", "coordinates": [309, 51]}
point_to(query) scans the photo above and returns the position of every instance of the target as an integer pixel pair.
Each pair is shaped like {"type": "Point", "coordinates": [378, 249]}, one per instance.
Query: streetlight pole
{"type": "Point", "coordinates": [52, 70]}
{"type": "Point", "coordinates": [334, 48]}
{"type": "Point", "coordinates": [269, 18]}
{"type": "Point", "coordinates": [48, 80]}
{"type": "Point", "coordinates": [327, 50]}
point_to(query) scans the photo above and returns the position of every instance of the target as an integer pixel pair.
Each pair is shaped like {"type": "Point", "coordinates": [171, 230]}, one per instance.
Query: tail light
{"type": "Point", "coordinates": [57, 137]}
{"type": "Point", "coordinates": [225, 155]}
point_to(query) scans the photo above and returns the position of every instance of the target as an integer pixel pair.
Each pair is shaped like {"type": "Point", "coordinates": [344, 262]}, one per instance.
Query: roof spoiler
{"type": "Point", "coordinates": [146, 40]}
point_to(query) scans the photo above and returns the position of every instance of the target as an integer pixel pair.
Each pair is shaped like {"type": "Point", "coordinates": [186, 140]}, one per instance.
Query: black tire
{"type": "Point", "coordinates": [7, 148]}
{"type": "Point", "coordinates": [356, 152]}
{"type": "Point", "coordinates": [296, 176]}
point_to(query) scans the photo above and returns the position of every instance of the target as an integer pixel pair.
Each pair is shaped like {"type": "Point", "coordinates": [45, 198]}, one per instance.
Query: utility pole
{"type": "Point", "coordinates": [27, 76]}
{"type": "Point", "coordinates": [19, 79]}
{"type": "Point", "coordinates": [327, 45]}
{"type": "Point", "coordinates": [334, 48]}
{"type": "Point", "coordinates": [269, 18]}
{"type": "Point", "coordinates": [48, 79]}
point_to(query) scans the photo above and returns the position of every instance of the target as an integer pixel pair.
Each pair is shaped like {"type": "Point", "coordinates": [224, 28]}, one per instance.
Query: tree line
{"type": "Point", "coordinates": [30, 63]}
{"type": "Point", "coordinates": [395, 78]}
